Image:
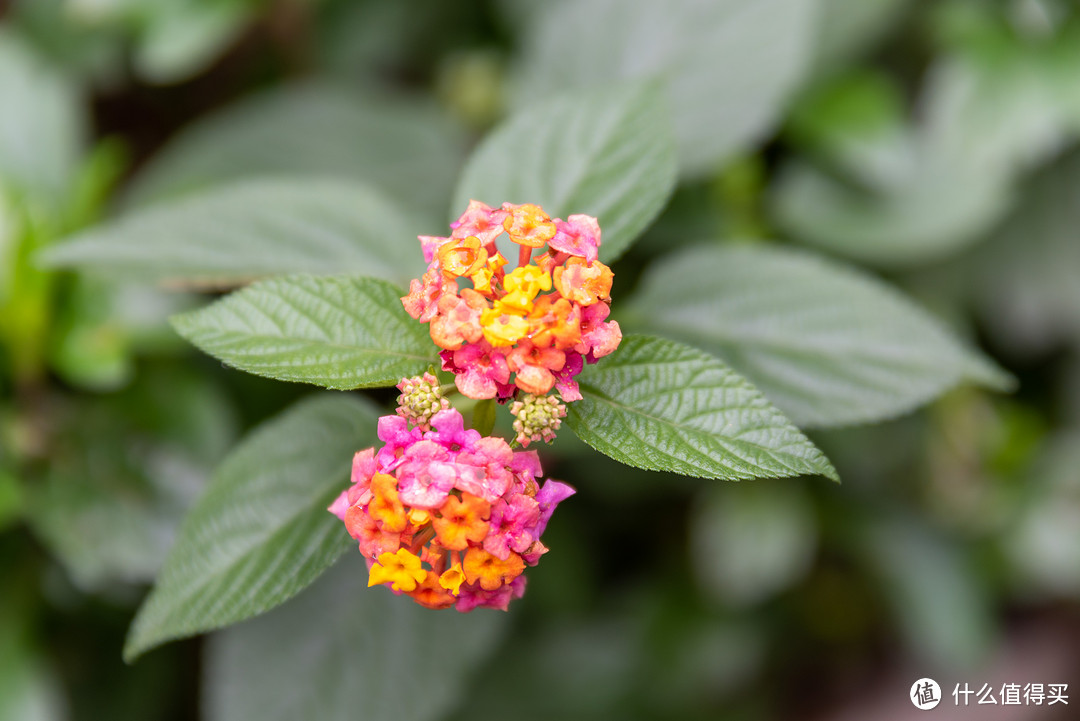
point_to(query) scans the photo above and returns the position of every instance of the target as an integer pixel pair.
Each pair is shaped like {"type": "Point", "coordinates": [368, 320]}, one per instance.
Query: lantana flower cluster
{"type": "Point", "coordinates": [444, 515]}
{"type": "Point", "coordinates": [532, 327]}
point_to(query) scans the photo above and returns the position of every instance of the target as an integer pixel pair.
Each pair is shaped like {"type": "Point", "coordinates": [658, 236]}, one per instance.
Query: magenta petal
{"type": "Point", "coordinates": [426, 485]}
{"type": "Point", "coordinates": [526, 463]}
{"type": "Point", "coordinates": [578, 235]}
{"type": "Point", "coordinates": [394, 432]}
{"type": "Point", "coordinates": [449, 430]}
{"type": "Point", "coordinates": [430, 244]}
{"type": "Point", "coordinates": [363, 465]}
{"type": "Point", "coordinates": [551, 494]}
{"type": "Point", "coordinates": [340, 505]}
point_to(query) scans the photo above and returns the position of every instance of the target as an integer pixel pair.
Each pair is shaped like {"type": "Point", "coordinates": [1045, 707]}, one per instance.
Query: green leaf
{"type": "Point", "coordinates": [41, 126]}
{"type": "Point", "coordinates": [233, 234]}
{"type": "Point", "coordinates": [30, 690]}
{"type": "Point", "coordinates": [752, 541]}
{"type": "Point", "coordinates": [605, 153]}
{"type": "Point", "coordinates": [338, 332]}
{"type": "Point", "coordinates": [123, 471]}
{"type": "Point", "coordinates": [847, 28]}
{"type": "Point", "coordinates": [663, 406]}
{"type": "Point", "coordinates": [180, 39]}
{"type": "Point", "coordinates": [407, 149]}
{"type": "Point", "coordinates": [829, 345]}
{"type": "Point", "coordinates": [728, 66]}
{"type": "Point", "coordinates": [11, 498]}
{"type": "Point", "coordinates": [89, 346]}
{"type": "Point", "coordinates": [366, 653]}
{"type": "Point", "coordinates": [261, 532]}
{"type": "Point", "coordinates": [1025, 276]}
{"type": "Point", "coordinates": [934, 210]}
{"type": "Point", "coordinates": [1043, 544]}
{"type": "Point", "coordinates": [989, 112]}
{"type": "Point", "coordinates": [856, 122]}
{"type": "Point", "coordinates": [936, 592]}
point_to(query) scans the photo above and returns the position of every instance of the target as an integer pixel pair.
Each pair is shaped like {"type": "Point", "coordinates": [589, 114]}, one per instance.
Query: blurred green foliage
{"type": "Point", "coordinates": [932, 144]}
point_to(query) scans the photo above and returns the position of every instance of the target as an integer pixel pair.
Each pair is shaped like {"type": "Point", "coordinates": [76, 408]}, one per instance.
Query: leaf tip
{"type": "Point", "coordinates": [135, 645]}
{"type": "Point", "coordinates": [989, 374]}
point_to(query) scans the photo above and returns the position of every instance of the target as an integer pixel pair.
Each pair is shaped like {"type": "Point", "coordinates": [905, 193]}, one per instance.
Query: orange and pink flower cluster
{"type": "Point", "coordinates": [530, 328]}
{"type": "Point", "coordinates": [445, 515]}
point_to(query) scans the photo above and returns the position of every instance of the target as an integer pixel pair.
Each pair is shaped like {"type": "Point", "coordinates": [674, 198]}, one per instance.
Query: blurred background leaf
{"type": "Point", "coordinates": [352, 650]}
{"type": "Point", "coordinates": [752, 541]}
{"type": "Point", "coordinates": [124, 471]}
{"type": "Point", "coordinates": [41, 128]}
{"type": "Point", "coordinates": [405, 146]}
{"type": "Point", "coordinates": [853, 351]}
{"type": "Point", "coordinates": [728, 66]}
{"type": "Point", "coordinates": [243, 231]}
{"type": "Point", "coordinates": [930, 143]}
{"type": "Point", "coordinates": [609, 154]}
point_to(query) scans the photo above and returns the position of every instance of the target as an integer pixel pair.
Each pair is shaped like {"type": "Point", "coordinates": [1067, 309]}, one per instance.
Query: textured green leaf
{"type": "Point", "coordinates": [339, 332]}
{"type": "Point", "coordinates": [828, 345]}
{"type": "Point", "coordinates": [606, 153]}
{"type": "Point", "coordinates": [260, 533]}
{"type": "Point", "coordinates": [663, 406]}
{"type": "Point", "coordinates": [253, 228]}
{"type": "Point", "coordinates": [728, 66]}
{"type": "Point", "coordinates": [343, 651]}
{"type": "Point", "coordinates": [409, 150]}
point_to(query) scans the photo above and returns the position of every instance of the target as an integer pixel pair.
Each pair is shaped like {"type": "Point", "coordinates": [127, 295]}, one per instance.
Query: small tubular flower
{"type": "Point", "coordinates": [528, 225]}
{"type": "Point", "coordinates": [577, 235]}
{"type": "Point", "coordinates": [489, 571]}
{"type": "Point", "coordinates": [400, 569]}
{"type": "Point", "coordinates": [582, 282]}
{"type": "Point", "coordinates": [478, 220]}
{"type": "Point", "coordinates": [462, 257]}
{"type": "Point", "coordinates": [462, 521]}
{"type": "Point", "coordinates": [447, 516]}
{"type": "Point", "coordinates": [498, 330]}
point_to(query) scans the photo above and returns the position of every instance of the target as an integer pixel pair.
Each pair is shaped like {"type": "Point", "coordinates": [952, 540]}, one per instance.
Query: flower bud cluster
{"type": "Point", "coordinates": [420, 399]}
{"type": "Point", "coordinates": [536, 418]}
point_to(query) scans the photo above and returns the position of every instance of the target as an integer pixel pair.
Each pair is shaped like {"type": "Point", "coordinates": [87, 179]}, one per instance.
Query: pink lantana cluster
{"type": "Point", "coordinates": [531, 328]}
{"type": "Point", "coordinates": [447, 516]}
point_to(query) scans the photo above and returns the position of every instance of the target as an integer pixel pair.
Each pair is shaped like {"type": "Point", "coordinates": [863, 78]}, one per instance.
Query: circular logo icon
{"type": "Point", "coordinates": [925, 694]}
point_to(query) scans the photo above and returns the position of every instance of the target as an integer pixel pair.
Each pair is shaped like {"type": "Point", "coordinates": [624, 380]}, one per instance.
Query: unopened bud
{"type": "Point", "coordinates": [420, 399]}
{"type": "Point", "coordinates": [537, 418]}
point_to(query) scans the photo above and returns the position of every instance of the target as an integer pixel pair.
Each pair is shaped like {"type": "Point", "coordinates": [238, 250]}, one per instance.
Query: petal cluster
{"type": "Point", "coordinates": [447, 516]}
{"type": "Point", "coordinates": [532, 327]}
